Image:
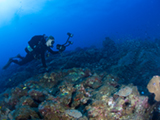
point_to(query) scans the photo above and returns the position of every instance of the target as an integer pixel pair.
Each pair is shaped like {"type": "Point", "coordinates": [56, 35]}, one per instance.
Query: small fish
{"type": "Point", "coordinates": [24, 88]}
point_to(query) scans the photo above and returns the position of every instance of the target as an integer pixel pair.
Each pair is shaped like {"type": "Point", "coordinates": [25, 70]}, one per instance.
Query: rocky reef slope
{"type": "Point", "coordinates": [87, 83]}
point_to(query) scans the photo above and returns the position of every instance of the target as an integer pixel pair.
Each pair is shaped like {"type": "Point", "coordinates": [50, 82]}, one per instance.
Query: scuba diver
{"type": "Point", "coordinates": [38, 45]}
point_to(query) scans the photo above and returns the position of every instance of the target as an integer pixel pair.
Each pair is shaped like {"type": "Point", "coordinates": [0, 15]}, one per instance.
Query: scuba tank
{"type": "Point", "coordinates": [35, 42]}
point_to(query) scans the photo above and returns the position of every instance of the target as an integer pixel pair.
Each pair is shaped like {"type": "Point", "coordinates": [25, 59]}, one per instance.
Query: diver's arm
{"type": "Point", "coordinates": [43, 60]}
{"type": "Point", "coordinates": [52, 52]}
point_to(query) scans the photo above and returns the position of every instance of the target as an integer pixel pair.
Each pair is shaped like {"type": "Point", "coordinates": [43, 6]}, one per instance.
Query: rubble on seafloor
{"type": "Point", "coordinates": [74, 94]}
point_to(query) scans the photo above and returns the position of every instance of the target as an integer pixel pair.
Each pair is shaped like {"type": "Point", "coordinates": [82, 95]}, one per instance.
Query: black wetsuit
{"type": "Point", "coordinates": [39, 50]}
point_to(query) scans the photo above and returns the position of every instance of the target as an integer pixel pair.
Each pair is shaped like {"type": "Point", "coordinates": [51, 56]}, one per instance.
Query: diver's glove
{"type": "Point", "coordinates": [46, 69]}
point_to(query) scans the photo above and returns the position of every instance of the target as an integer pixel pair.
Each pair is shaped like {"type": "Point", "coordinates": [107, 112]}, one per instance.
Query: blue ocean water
{"type": "Point", "coordinates": [114, 59]}
{"type": "Point", "coordinates": [89, 21]}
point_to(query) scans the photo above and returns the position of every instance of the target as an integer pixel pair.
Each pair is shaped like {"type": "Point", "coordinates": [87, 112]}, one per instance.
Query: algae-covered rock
{"type": "Point", "coordinates": [25, 113]}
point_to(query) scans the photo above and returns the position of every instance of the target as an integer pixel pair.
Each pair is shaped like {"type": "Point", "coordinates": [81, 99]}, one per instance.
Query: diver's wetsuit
{"type": "Point", "coordinates": [39, 50]}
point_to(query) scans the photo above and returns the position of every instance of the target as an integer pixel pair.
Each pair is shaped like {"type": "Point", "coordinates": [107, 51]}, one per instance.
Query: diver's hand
{"type": "Point", "coordinates": [46, 69]}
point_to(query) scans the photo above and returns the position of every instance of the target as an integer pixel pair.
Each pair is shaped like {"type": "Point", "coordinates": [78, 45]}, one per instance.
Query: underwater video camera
{"type": "Point", "coordinates": [67, 43]}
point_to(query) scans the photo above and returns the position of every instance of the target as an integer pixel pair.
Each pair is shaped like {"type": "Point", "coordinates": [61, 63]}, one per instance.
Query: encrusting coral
{"type": "Point", "coordinates": [154, 87]}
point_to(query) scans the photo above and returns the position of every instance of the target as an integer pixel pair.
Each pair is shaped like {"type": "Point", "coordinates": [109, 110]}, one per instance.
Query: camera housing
{"type": "Point", "coordinates": [60, 47]}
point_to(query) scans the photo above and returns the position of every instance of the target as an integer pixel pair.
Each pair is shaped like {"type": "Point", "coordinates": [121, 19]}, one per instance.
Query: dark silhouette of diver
{"type": "Point", "coordinates": [37, 48]}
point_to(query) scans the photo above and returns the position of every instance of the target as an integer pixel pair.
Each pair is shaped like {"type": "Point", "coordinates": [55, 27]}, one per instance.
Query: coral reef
{"type": "Point", "coordinates": [154, 87]}
{"type": "Point", "coordinates": [77, 94]}
{"type": "Point", "coordinates": [95, 84]}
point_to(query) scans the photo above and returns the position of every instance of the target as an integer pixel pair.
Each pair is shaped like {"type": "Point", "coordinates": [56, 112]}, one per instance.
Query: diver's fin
{"type": "Point", "coordinates": [8, 64]}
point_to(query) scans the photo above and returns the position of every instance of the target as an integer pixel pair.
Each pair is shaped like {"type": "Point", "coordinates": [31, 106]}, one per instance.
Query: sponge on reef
{"type": "Point", "coordinates": [154, 87]}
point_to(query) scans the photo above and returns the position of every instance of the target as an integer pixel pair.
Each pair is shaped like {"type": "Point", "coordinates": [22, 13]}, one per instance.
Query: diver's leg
{"type": "Point", "coordinates": [19, 56]}
{"type": "Point", "coordinates": [8, 64]}
{"type": "Point", "coordinates": [25, 60]}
